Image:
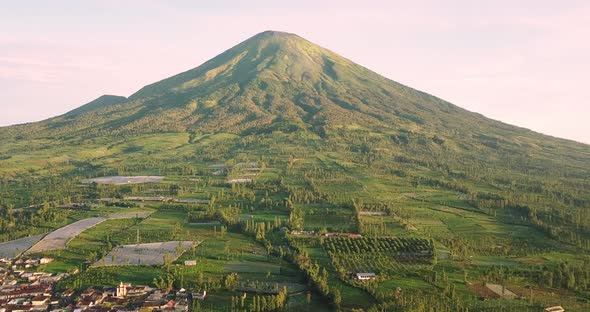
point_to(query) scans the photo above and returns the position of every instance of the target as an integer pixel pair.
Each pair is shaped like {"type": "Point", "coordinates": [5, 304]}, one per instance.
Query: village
{"type": "Point", "coordinates": [23, 289]}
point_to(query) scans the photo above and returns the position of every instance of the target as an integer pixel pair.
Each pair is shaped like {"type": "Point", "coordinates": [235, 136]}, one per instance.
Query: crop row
{"type": "Point", "coordinates": [393, 245]}
{"type": "Point", "coordinates": [378, 264]}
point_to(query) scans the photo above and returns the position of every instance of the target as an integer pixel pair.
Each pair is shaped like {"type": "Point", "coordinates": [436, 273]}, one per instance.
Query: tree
{"type": "Point", "coordinates": [200, 279]}
{"type": "Point", "coordinates": [229, 280]}
{"type": "Point", "coordinates": [337, 298]}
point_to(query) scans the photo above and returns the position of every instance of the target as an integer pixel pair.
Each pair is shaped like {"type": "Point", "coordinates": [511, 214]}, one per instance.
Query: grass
{"type": "Point", "coordinates": [252, 267]}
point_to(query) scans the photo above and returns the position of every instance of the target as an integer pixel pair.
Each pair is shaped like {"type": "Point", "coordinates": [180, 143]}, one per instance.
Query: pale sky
{"type": "Point", "coordinates": [524, 62]}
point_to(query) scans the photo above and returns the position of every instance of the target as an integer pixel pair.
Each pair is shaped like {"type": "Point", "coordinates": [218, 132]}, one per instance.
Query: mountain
{"type": "Point", "coordinates": [100, 103]}
{"type": "Point", "coordinates": [327, 145]}
{"type": "Point", "coordinates": [280, 81]}
{"type": "Point", "coordinates": [274, 80]}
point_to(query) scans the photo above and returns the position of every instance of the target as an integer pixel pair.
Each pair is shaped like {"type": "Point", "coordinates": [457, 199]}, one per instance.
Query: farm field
{"type": "Point", "coordinates": [121, 180]}
{"type": "Point", "coordinates": [337, 170]}
{"type": "Point", "coordinates": [428, 247]}
{"type": "Point", "coordinates": [145, 254]}
{"type": "Point", "coordinates": [216, 256]}
{"type": "Point", "coordinates": [16, 247]}
{"type": "Point", "coordinates": [58, 239]}
{"type": "Point", "coordinates": [130, 215]}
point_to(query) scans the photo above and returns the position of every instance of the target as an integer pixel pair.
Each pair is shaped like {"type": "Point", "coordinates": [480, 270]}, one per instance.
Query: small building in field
{"type": "Point", "coordinates": [296, 232]}
{"type": "Point", "coordinates": [555, 309]}
{"type": "Point", "coordinates": [365, 276]}
{"type": "Point", "coordinates": [200, 295]}
{"type": "Point", "coordinates": [190, 262]}
{"type": "Point", "coordinates": [240, 180]}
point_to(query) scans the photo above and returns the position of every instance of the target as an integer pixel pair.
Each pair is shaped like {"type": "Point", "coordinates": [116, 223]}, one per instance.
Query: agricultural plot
{"type": "Point", "coordinates": [130, 215]}
{"type": "Point", "coordinates": [401, 248]}
{"type": "Point", "coordinates": [501, 291]}
{"type": "Point", "coordinates": [252, 267]}
{"type": "Point", "coordinates": [13, 249]}
{"type": "Point", "coordinates": [59, 238]}
{"type": "Point", "coordinates": [333, 218]}
{"type": "Point", "coordinates": [145, 254]}
{"type": "Point", "coordinates": [261, 287]}
{"type": "Point", "coordinates": [385, 255]}
{"type": "Point", "coordinates": [121, 180]}
{"type": "Point", "coordinates": [378, 264]}
{"type": "Point", "coordinates": [372, 213]}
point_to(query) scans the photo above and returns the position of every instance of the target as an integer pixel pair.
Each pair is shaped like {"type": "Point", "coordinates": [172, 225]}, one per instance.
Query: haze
{"type": "Point", "coordinates": [525, 64]}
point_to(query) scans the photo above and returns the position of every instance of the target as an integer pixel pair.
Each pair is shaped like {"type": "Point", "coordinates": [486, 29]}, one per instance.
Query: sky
{"type": "Point", "coordinates": [523, 62]}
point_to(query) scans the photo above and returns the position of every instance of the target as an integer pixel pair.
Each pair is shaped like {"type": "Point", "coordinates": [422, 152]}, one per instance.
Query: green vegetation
{"type": "Point", "coordinates": [445, 200]}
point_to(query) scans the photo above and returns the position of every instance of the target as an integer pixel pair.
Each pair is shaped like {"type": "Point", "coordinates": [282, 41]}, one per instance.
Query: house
{"type": "Point", "coordinates": [138, 290]}
{"type": "Point", "coordinates": [296, 232]}
{"type": "Point", "coordinates": [45, 260]}
{"type": "Point", "coordinates": [200, 295]}
{"type": "Point", "coordinates": [555, 309]}
{"type": "Point", "coordinates": [67, 293]}
{"type": "Point", "coordinates": [190, 262]}
{"type": "Point", "coordinates": [240, 180]}
{"type": "Point", "coordinates": [41, 300]}
{"type": "Point", "coordinates": [365, 276]}
{"type": "Point", "coordinates": [88, 292]}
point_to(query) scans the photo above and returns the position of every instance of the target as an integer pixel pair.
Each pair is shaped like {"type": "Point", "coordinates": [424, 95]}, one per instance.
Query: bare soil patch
{"type": "Point", "coordinates": [120, 180]}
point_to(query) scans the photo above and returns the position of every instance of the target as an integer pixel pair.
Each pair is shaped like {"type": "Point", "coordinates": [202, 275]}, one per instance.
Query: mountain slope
{"type": "Point", "coordinates": [277, 80]}
{"type": "Point", "coordinates": [275, 75]}
{"type": "Point", "coordinates": [325, 145]}
{"type": "Point", "coordinates": [101, 102]}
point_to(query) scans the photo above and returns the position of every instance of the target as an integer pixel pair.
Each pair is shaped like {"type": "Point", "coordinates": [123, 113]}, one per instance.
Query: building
{"type": "Point", "coordinates": [296, 232]}
{"type": "Point", "coordinates": [122, 289]}
{"type": "Point", "coordinates": [365, 276]}
{"type": "Point", "coordinates": [555, 309]}
{"type": "Point", "coordinates": [200, 295]}
{"type": "Point", "coordinates": [41, 300]}
{"type": "Point", "coordinates": [240, 180]}
{"type": "Point", "coordinates": [190, 262]}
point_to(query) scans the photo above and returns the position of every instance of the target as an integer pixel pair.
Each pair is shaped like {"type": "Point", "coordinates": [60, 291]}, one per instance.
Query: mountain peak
{"type": "Point", "coordinates": [276, 33]}
{"type": "Point", "coordinates": [278, 41]}
{"type": "Point", "coordinates": [267, 54]}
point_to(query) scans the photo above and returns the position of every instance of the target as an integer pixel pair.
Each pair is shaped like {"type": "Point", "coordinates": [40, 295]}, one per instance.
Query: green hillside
{"type": "Point", "coordinates": [336, 148]}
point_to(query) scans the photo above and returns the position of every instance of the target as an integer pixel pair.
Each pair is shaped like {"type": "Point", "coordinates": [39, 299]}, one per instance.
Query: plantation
{"type": "Point", "coordinates": [401, 248]}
